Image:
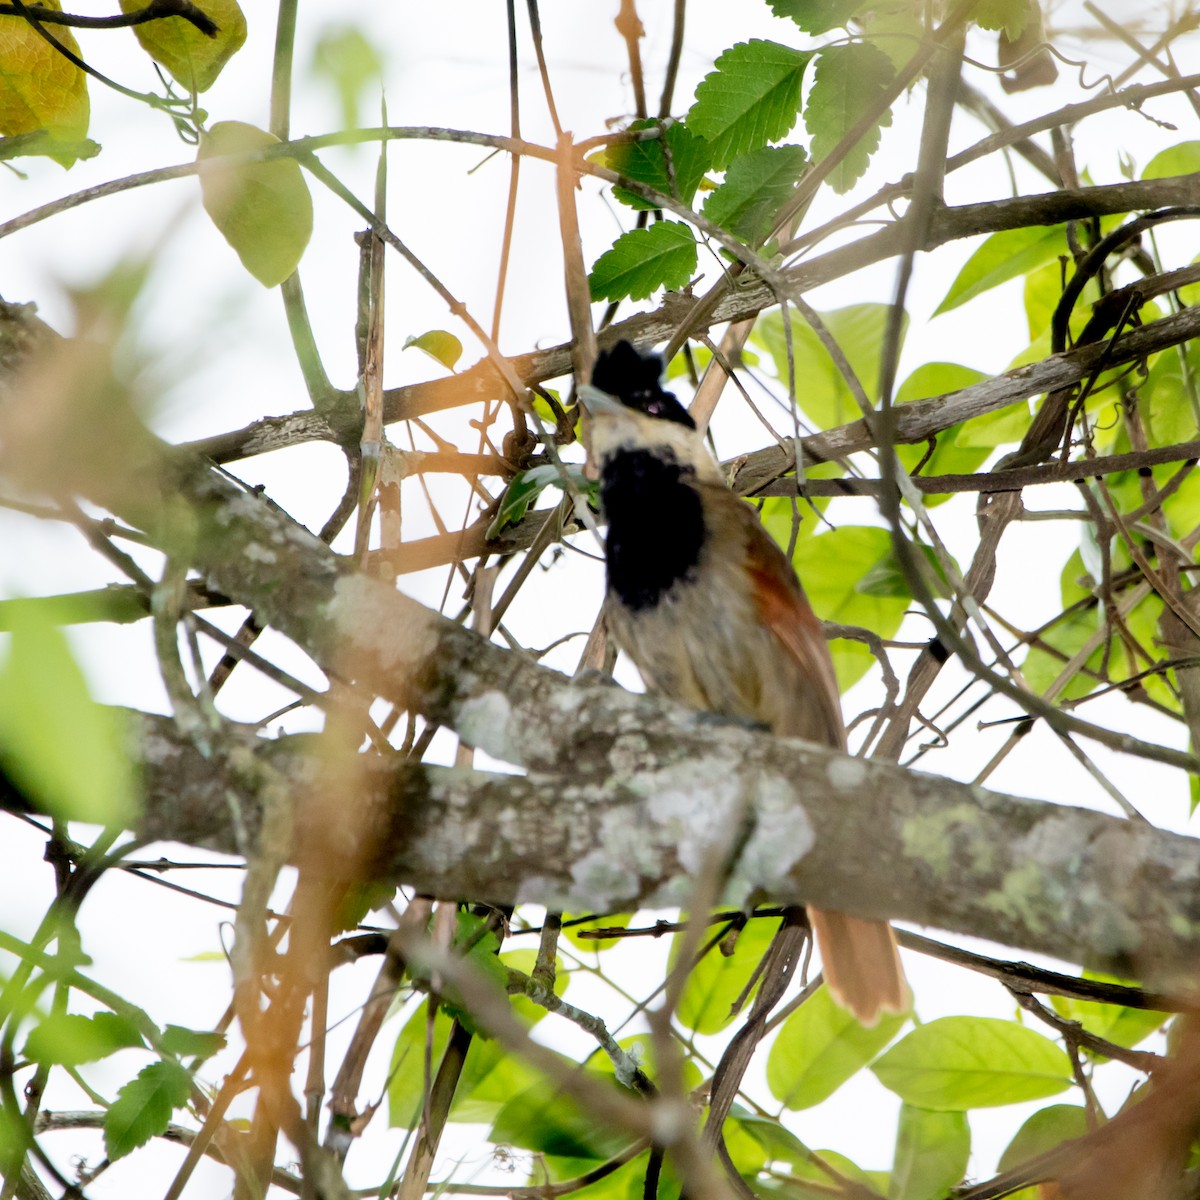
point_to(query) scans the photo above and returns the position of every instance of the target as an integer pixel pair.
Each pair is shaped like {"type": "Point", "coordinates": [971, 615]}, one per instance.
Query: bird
{"type": "Point", "coordinates": [712, 614]}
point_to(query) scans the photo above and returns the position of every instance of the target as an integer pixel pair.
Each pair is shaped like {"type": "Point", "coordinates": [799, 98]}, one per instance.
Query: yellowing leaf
{"type": "Point", "coordinates": [263, 209]}
{"type": "Point", "coordinates": [192, 57]}
{"type": "Point", "coordinates": [40, 88]}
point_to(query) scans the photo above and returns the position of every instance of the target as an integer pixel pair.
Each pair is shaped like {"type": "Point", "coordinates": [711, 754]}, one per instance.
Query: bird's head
{"type": "Point", "coordinates": [628, 409]}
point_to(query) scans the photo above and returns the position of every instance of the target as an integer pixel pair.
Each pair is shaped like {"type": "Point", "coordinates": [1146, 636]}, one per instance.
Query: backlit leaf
{"type": "Point", "coordinates": [1004, 256]}
{"type": "Point", "coordinates": [756, 187]}
{"type": "Point", "coordinates": [817, 16]}
{"type": "Point", "coordinates": [1183, 159]}
{"type": "Point", "coordinates": [717, 981]}
{"type": "Point", "coordinates": [263, 209]}
{"type": "Point", "coordinates": [973, 1062]}
{"type": "Point", "coordinates": [192, 57]}
{"type": "Point", "coordinates": [662, 255]}
{"type": "Point", "coordinates": [143, 1107]}
{"type": "Point", "coordinates": [848, 82]}
{"type": "Point", "coordinates": [819, 1047]}
{"type": "Point", "coordinates": [932, 1149]}
{"type": "Point", "coordinates": [40, 89]}
{"type": "Point", "coordinates": [69, 1039]}
{"type": "Point", "coordinates": [441, 346]}
{"type": "Point", "coordinates": [673, 164]}
{"type": "Point", "coordinates": [750, 99]}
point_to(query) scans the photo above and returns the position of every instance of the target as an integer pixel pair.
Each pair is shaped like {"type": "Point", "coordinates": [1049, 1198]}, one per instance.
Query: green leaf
{"type": "Point", "coordinates": [41, 89]}
{"type": "Point", "coordinates": [662, 255]}
{"type": "Point", "coordinates": [545, 1120]}
{"type": "Point", "coordinates": [68, 1039]}
{"type": "Point", "coordinates": [817, 16]}
{"type": "Point", "coordinates": [757, 185]}
{"type": "Point", "coordinates": [192, 57]}
{"type": "Point", "coordinates": [1011, 16]}
{"type": "Point", "coordinates": [821, 391]}
{"type": "Point", "coordinates": [406, 1075]}
{"type": "Point", "coordinates": [65, 749]}
{"type": "Point", "coordinates": [818, 1180]}
{"type": "Point", "coordinates": [673, 164]}
{"type": "Point", "coordinates": [351, 63]}
{"type": "Point", "coordinates": [1001, 257]}
{"type": "Point", "coordinates": [752, 98]}
{"type": "Point", "coordinates": [526, 486]}
{"type": "Point", "coordinates": [949, 456]}
{"type": "Point", "coordinates": [191, 1043]}
{"type": "Point", "coordinates": [1183, 159]}
{"type": "Point", "coordinates": [932, 1149]}
{"type": "Point", "coordinates": [831, 566]}
{"type": "Point", "coordinates": [973, 1062]}
{"type": "Point", "coordinates": [441, 346]}
{"type": "Point", "coordinates": [820, 1046]}
{"type": "Point", "coordinates": [1047, 1129]}
{"type": "Point", "coordinates": [263, 209]}
{"type": "Point", "coordinates": [718, 980]}
{"type": "Point", "coordinates": [143, 1107]}
{"type": "Point", "coordinates": [848, 82]}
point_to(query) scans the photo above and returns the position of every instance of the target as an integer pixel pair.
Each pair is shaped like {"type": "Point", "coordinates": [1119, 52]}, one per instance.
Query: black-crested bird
{"type": "Point", "coordinates": [713, 616]}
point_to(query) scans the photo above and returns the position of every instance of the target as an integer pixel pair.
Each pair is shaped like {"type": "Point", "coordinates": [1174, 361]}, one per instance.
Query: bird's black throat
{"type": "Point", "coordinates": [655, 525]}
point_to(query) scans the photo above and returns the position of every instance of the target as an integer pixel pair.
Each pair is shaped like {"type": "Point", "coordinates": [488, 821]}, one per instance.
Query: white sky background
{"type": "Point", "coordinates": [225, 359]}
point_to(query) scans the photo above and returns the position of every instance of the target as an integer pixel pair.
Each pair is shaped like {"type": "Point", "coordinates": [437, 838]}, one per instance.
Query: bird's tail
{"type": "Point", "coordinates": [861, 965]}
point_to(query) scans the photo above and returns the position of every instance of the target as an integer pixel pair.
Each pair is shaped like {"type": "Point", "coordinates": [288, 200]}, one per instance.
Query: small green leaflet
{"type": "Point", "coordinates": [191, 1043]}
{"type": "Point", "coordinates": [526, 486]}
{"type": "Point", "coordinates": [820, 1046]}
{"type": "Point", "coordinates": [69, 1039]}
{"type": "Point", "coordinates": [756, 187]}
{"type": "Point", "coordinates": [1011, 16]}
{"type": "Point", "coordinates": [932, 1149]}
{"type": "Point", "coordinates": [848, 82]}
{"type": "Point", "coordinates": [143, 1107]}
{"type": "Point", "coordinates": [973, 1062]}
{"type": "Point", "coordinates": [263, 209]}
{"type": "Point", "coordinates": [441, 346]}
{"type": "Point", "coordinates": [663, 255]}
{"type": "Point", "coordinates": [817, 16]}
{"type": "Point", "coordinates": [675, 171]}
{"type": "Point", "coordinates": [752, 98]}
{"type": "Point", "coordinates": [1002, 257]}
{"type": "Point", "coordinates": [192, 57]}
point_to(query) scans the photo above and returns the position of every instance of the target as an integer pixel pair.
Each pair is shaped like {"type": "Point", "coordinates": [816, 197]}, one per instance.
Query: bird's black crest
{"type": "Point", "coordinates": [634, 379]}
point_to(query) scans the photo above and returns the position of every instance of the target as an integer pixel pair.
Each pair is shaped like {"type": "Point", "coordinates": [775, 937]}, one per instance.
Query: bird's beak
{"type": "Point", "coordinates": [597, 403]}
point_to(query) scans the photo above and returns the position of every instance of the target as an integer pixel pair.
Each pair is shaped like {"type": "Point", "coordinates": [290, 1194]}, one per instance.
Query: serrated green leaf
{"type": "Point", "coordinates": [350, 62]}
{"type": "Point", "coordinates": [819, 1047]}
{"type": "Point", "coordinates": [263, 209]}
{"type": "Point", "coordinates": [1011, 16]}
{"type": "Point", "coordinates": [65, 749]}
{"type": "Point", "coordinates": [68, 1039]}
{"type": "Point", "coordinates": [41, 89]}
{"type": "Point", "coordinates": [750, 99]}
{"type": "Point", "coordinates": [526, 486]}
{"type": "Point", "coordinates": [441, 346]}
{"type": "Point", "coordinates": [1047, 1129]}
{"type": "Point", "coordinates": [193, 58]}
{"type": "Point", "coordinates": [673, 164]}
{"type": "Point", "coordinates": [191, 1043]}
{"type": "Point", "coordinates": [143, 1107]}
{"type": "Point", "coordinates": [1183, 159]}
{"type": "Point", "coordinates": [757, 185]}
{"type": "Point", "coordinates": [716, 982]}
{"type": "Point", "coordinates": [1001, 257]}
{"type": "Point", "coordinates": [848, 82]}
{"type": "Point", "coordinates": [973, 1062]}
{"type": "Point", "coordinates": [662, 255]}
{"type": "Point", "coordinates": [932, 1149]}
{"type": "Point", "coordinates": [817, 16]}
